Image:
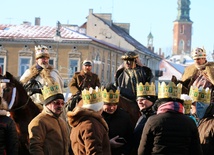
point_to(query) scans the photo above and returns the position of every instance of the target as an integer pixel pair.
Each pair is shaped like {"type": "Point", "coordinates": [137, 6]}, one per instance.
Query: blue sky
{"type": "Point", "coordinates": [144, 16]}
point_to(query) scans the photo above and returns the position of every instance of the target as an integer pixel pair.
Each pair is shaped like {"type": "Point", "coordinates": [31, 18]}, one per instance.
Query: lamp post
{"type": "Point", "coordinates": [58, 39]}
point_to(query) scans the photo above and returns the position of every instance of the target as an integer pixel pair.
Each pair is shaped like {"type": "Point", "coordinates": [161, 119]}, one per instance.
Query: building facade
{"type": "Point", "coordinates": [182, 30]}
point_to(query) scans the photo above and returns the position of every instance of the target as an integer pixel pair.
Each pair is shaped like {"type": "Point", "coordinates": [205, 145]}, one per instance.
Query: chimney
{"type": "Point", "coordinates": [37, 21]}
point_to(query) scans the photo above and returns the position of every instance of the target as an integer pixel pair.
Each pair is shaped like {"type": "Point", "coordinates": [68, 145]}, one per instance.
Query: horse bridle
{"type": "Point", "coordinates": [13, 97]}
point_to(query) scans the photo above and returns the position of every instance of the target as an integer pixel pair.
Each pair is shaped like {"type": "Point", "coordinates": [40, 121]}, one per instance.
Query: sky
{"type": "Point", "coordinates": [144, 16]}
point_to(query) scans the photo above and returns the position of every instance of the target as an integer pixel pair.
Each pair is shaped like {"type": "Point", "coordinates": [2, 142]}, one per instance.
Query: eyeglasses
{"type": "Point", "coordinates": [57, 102]}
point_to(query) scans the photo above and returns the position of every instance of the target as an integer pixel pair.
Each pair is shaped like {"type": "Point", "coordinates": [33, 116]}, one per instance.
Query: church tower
{"type": "Point", "coordinates": [182, 31]}
{"type": "Point", "coordinates": [150, 42]}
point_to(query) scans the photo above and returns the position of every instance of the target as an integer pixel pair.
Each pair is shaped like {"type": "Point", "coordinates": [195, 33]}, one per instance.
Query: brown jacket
{"type": "Point", "coordinates": [48, 135]}
{"type": "Point", "coordinates": [80, 80]}
{"type": "Point", "coordinates": [89, 133]}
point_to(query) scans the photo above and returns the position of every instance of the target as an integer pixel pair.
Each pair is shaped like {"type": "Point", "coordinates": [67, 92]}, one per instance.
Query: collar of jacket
{"type": "Point", "coordinates": [83, 73]}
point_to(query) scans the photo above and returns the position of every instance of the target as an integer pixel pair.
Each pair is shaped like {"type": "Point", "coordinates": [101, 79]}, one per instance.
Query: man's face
{"type": "Point", "coordinates": [143, 103]}
{"type": "Point", "coordinates": [109, 108]}
{"type": "Point", "coordinates": [129, 64]}
{"type": "Point", "coordinates": [56, 106]}
{"type": "Point", "coordinates": [43, 62]}
{"type": "Point", "coordinates": [200, 61]}
{"type": "Point", "coordinates": [87, 68]}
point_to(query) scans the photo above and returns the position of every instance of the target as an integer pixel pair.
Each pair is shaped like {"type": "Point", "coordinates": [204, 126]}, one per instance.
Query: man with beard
{"type": "Point", "coordinates": [48, 133]}
{"type": "Point", "coordinates": [41, 72]}
{"type": "Point", "coordinates": [200, 74]}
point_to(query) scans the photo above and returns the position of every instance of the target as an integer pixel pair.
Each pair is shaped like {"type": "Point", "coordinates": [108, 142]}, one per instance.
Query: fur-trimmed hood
{"type": "Point", "coordinates": [79, 114]}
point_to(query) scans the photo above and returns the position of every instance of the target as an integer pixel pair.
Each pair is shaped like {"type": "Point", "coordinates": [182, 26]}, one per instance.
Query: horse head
{"type": "Point", "coordinates": [12, 91]}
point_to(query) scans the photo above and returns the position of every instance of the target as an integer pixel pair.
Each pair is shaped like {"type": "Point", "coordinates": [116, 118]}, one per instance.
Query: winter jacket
{"type": "Point", "coordinates": [120, 124]}
{"type": "Point", "coordinates": [89, 132]}
{"type": "Point", "coordinates": [128, 84]}
{"type": "Point", "coordinates": [48, 134]}
{"type": "Point", "coordinates": [49, 75]}
{"type": "Point", "coordinates": [82, 80]}
{"type": "Point", "coordinates": [170, 133]}
{"type": "Point", "coordinates": [8, 135]}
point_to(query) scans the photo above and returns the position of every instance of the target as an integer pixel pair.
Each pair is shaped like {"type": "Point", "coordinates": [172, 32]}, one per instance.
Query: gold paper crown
{"type": "Point", "coordinates": [201, 95]}
{"type": "Point", "coordinates": [170, 90]}
{"type": "Point", "coordinates": [50, 90]}
{"type": "Point", "coordinates": [91, 96]}
{"type": "Point", "coordinates": [111, 96]}
{"type": "Point", "coordinates": [187, 103]}
{"type": "Point", "coordinates": [147, 89]}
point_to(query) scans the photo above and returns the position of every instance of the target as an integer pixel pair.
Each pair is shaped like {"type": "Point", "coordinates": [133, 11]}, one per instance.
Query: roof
{"type": "Point", "coordinates": [25, 31]}
{"type": "Point", "coordinates": [43, 32]}
{"type": "Point", "coordinates": [121, 32]}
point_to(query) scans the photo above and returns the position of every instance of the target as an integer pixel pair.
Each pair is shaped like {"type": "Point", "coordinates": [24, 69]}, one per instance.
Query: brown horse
{"type": "Point", "coordinates": [21, 107]}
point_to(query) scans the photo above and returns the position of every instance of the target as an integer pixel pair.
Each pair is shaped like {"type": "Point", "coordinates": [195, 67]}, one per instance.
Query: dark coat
{"type": "Point", "coordinates": [8, 136]}
{"type": "Point", "coordinates": [206, 131]}
{"type": "Point", "coordinates": [119, 123]}
{"type": "Point", "coordinates": [139, 128]}
{"type": "Point", "coordinates": [170, 133]}
{"type": "Point", "coordinates": [80, 80]}
{"type": "Point", "coordinates": [89, 133]}
{"type": "Point", "coordinates": [127, 85]}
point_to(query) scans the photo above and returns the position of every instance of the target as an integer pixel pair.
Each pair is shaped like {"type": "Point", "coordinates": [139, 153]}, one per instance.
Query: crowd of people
{"type": "Point", "coordinates": [94, 123]}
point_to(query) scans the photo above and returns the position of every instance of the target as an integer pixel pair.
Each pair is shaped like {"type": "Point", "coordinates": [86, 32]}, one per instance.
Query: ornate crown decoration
{"type": "Point", "coordinates": [200, 94]}
{"type": "Point", "coordinates": [187, 103]}
{"type": "Point", "coordinates": [91, 96]}
{"type": "Point", "coordinates": [111, 96]}
{"type": "Point", "coordinates": [170, 90]}
{"type": "Point", "coordinates": [147, 89]}
{"type": "Point", "coordinates": [50, 90]}
{"type": "Point", "coordinates": [41, 51]}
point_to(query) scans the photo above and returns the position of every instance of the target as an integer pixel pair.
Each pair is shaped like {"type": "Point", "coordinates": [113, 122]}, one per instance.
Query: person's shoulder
{"type": "Point", "coordinates": [192, 66]}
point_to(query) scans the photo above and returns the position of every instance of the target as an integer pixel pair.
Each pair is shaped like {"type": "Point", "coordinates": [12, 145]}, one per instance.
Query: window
{"type": "Point", "coordinates": [24, 65]}
{"type": "Point", "coordinates": [51, 62]}
{"type": "Point", "coordinates": [73, 67]}
{"type": "Point", "coordinates": [2, 64]}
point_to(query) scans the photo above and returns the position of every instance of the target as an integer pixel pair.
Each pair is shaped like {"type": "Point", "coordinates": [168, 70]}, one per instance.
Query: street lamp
{"type": "Point", "coordinates": [58, 39]}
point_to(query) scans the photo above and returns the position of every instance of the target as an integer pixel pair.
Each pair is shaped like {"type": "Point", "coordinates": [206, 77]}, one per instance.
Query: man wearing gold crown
{"type": "Point", "coordinates": [48, 132]}
{"type": "Point", "coordinates": [118, 120]}
{"type": "Point", "coordinates": [128, 76]}
{"type": "Point", "coordinates": [199, 74]}
{"type": "Point", "coordinates": [89, 133]}
{"type": "Point", "coordinates": [41, 73]}
{"type": "Point", "coordinates": [146, 97]}
{"type": "Point", "coordinates": [169, 131]}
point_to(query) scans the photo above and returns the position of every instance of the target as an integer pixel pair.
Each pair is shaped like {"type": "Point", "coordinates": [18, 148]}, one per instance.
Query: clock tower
{"type": "Point", "coordinates": [182, 30]}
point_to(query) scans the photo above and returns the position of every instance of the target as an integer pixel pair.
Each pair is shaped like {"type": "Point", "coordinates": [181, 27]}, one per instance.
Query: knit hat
{"type": "Point", "coordinates": [51, 92]}
{"type": "Point", "coordinates": [92, 99]}
{"type": "Point", "coordinates": [41, 51]}
{"type": "Point", "coordinates": [199, 53]}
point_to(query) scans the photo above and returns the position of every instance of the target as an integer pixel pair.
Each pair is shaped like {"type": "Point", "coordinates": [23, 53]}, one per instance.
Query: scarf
{"type": "Point", "coordinates": [171, 106]}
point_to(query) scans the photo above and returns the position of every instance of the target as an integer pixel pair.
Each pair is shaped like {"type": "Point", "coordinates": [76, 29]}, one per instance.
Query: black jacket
{"type": "Point", "coordinates": [170, 133]}
{"type": "Point", "coordinates": [8, 136]}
